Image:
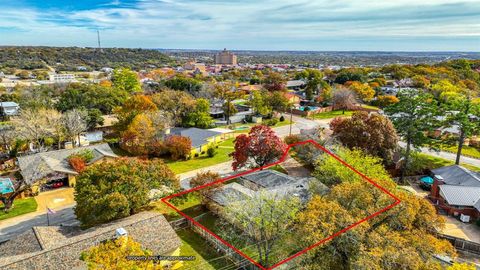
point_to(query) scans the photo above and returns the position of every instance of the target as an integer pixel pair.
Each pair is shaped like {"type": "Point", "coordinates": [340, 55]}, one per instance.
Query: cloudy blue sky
{"type": "Point", "coordinates": [398, 25]}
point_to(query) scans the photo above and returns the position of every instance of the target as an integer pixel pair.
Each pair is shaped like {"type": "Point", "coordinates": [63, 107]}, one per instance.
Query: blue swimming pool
{"type": "Point", "coordinates": [6, 186]}
{"type": "Point", "coordinates": [311, 108]}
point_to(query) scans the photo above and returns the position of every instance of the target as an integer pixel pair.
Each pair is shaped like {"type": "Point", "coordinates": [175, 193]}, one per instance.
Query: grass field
{"type": "Point", "coordinates": [287, 245]}
{"type": "Point", "coordinates": [21, 206]}
{"type": "Point", "coordinates": [189, 204]}
{"type": "Point", "coordinates": [466, 150]}
{"type": "Point", "coordinates": [249, 125]}
{"type": "Point", "coordinates": [223, 150]}
{"type": "Point", "coordinates": [205, 257]}
{"type": "Point", "coordinates": [332, 114]}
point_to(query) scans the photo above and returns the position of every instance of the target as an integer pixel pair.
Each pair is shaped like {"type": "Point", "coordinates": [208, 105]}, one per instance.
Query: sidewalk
{"type": "Point", "coordinates": [447, 155]}
{"type": "Point", "coordinates": [221, 168]}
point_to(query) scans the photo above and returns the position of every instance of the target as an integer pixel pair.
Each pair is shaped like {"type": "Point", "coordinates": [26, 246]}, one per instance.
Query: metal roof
{"type": "Point", "coordinates": [8, 104]}
{"type": "Point", "coordinates": [460, 195]}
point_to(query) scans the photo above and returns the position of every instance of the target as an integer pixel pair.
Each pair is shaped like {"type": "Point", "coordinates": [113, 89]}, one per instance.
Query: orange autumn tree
{"type": "Point", "coordinates": [178, 146]}
{"type": "Point", "coordinates": [134, 106]}
{"type": "Point", "coordinates": [384, 101]}
{"type": "Point", "coordinates": [363, 90]}
{"type": "Point", "coordinates": [138, 137]}
{"type": "Point", "coordinates": [400, 238]}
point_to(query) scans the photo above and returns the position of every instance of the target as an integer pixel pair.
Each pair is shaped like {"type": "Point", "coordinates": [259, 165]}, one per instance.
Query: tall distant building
{"type": "Point", "coordinates": [225, 58]}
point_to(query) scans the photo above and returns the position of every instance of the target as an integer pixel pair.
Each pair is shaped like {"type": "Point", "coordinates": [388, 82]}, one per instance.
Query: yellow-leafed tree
{"type": "Point", "coordinates": [113, 254]}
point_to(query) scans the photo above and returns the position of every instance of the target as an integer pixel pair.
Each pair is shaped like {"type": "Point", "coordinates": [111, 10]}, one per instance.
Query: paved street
{"type": "Point", "coordinates": [17, 225]}
{"type": "Point", "coordinates": [299, 123]}
{"type": "Point", "coordinates": [447, 155]}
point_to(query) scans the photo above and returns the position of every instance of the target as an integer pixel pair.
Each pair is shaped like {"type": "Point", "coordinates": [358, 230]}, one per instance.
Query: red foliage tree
{"type": "Point", "coordinates": [259, 148]}
{"type": "Point", "coordinates": [178, 146]}
{"type": "Point", "coordinates": [373, 133]}
{"type": "Point", "coordinates": [77, 163]}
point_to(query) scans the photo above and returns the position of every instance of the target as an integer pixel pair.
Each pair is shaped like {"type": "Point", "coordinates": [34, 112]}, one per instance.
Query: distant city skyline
{"type": "Point", "coordinates": [318, 25]}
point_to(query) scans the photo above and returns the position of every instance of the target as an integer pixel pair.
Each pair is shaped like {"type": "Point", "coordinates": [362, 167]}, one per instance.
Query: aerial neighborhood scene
{"type": "Point", "coordinates": [251, 135]}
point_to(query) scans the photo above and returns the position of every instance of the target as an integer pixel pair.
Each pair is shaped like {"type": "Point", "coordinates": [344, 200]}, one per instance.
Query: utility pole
{"type": "Point", "coordinates": [99, 43]}
{"type": "Point", "coordinates": [291, 120]}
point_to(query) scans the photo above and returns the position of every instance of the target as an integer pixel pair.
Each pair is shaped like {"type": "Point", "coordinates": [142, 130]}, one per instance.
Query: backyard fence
{"type": "Point", "coordinates": [461, 244]}
{"type": "Point", "coordinates": [230, 254]}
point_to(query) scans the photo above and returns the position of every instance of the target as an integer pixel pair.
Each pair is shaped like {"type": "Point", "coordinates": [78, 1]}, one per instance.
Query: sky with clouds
{"type": "Point", "coordinates": [386, 25]}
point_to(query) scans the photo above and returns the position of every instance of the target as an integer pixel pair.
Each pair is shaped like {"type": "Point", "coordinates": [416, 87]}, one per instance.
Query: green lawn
{"type": "Point", "coordinates": [332, 114]}
{"type": "Point", "coordinates": [206, 257]}
{"type": "Point", "coordinates": [249, 125]}
{"type": "Point", "coordinates": [466, 150]}
{"type": "Point", "coordinates": [278, 168]}
{"type": "Point", "coordinates": [181, 166]}
{"type": "Point", "coordinates": [21, 206]}
{"type": "Point", "coordinates": [432, 162]}
{"type": "Point", "coordinates": [370, 107]}
{"type": "Point", "coordinates": [287, 245]}
{"type": "Point", "coordinates": [189, 204]}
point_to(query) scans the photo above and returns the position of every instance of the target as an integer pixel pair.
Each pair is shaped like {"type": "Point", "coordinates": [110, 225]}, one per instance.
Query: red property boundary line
{"type": "Point", "coordinates": [282, 159]}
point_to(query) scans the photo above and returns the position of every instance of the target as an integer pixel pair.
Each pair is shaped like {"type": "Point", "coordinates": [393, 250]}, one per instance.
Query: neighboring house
{"type": "Point", "coordinates": [295, 84]}
{"type": "Point", "coordinates": [292, 97]}
{"type": "Point", "coordinates": [456, 190]}
{"type": "Point", "coordinates": [9, 108]}
{"type": "Point", "coordinates": [243, 111]}
{"type": "Point", "coordinates": [250, 88]}
{"type": "Point", "coordinates": [60, 247]}
{"type": "Point", "coordinates": [51, 169]}
{"type": "Point", "coordinates": [201, 138]}
{"type": "Point", "coordinates": [61, 78]}
{"type": "Point", "coordinates": [108, 126]}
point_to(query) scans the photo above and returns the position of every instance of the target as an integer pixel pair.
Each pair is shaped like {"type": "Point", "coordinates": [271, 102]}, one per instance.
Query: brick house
{"type": "Point", "coordinates": [456, 190]}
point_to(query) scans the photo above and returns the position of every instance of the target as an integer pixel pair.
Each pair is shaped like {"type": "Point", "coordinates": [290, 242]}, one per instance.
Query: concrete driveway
{"type": "Point", "coordinates": [54, 199]}
{"type": "Point", "coordinates": [468, 231]}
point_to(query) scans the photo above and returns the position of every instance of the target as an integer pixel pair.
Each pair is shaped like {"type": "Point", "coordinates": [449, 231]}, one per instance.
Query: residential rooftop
{"type": "Point", "coordinates": [60, 247]}
{"type": "Point", "coordinates": [37, 166]}
{"type": "Point", "coordinates": [458, 175]}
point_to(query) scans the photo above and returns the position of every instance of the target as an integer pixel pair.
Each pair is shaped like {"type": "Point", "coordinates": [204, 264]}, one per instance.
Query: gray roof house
{"type": "Point", "coordinates": [198, 136]}
{"type": "Point", "coordinates": [457, 175]}
{"type": "Point", "coordinates": [269, 181]}
{"type": "Point", "coordinates": [295, 84]}
{"type": "Point", "coordinates": [456, 190]}
{"type": "Point", "coordinates": [231, 192]}
{"type": "Point", "coordinates": [60, 247]}
{"type": "Point", "coordinates": [9, 108]}
{"type": "Point", "coordinates": [40, 165]}
{"type": "Point", "coordinates": [461, 195]}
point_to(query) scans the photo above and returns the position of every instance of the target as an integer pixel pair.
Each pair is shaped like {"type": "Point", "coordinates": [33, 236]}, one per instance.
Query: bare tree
{"type": "Point", "coordinates": [343, 99]}
{"type": "Point", "coordinates": [263, 219]}
{"type": "Point", "coordinates": [74, 123]}
{"type": "Point", "coordinates": [33, 126]}
{"type": "Point", "coordinates": [55, 125]}
{"type": "Point", "coordinates": [7, 135]}
{"type": "Point", "coordinates": [161, 120]}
